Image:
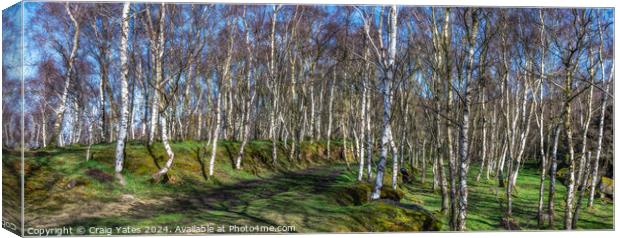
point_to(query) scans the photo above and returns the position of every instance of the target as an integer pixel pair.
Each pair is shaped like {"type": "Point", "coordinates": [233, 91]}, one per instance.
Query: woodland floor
{"type": "Point", "coordinates": [62, 189]}
{"type": "Point", "coordinates": [487, 203]}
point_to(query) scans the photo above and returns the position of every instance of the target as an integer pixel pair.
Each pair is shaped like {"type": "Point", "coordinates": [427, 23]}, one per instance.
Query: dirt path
{"type": "Point", "coordinates": [252, 202]}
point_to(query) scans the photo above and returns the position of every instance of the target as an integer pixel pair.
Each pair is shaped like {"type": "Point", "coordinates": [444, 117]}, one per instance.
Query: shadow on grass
{"type": "Point", "coordinates": [238, 204]}
{"type": "Point", "coordinates": [155, 158]}
{"type": "Point", "coordinates": [198, 157]}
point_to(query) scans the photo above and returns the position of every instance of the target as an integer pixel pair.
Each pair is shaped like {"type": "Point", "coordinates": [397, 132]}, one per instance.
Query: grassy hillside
{"type": "Point", "coordinates": [63, 189]}
{"type": "Point", "coordinates": [312, 194]}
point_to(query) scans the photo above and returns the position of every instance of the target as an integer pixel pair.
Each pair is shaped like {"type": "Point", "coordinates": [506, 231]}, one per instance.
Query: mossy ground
{"type": "Point", "coordinates": [487, 202]}
{"type": "Point", "coordinates": [11, 191]}
{"type": "Point", "coordinates": [61, 190]}
{"type": "Point", "coordinates": [314, 194]}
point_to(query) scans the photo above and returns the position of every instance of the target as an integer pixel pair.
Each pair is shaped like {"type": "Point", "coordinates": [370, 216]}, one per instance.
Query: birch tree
{"type": "Point", "coordinates": [69, 74]}
{"type": "Point", "coordinates": [122, 128]}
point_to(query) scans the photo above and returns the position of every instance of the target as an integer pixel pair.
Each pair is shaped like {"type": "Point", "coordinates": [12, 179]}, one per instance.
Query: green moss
{"type": "Point", "coordinates": [355, 194]}
{"type": "Point", "coordinates": [384, 216]}
{"type": "Point", "coordinates": [391, 194]}
{"type": "Point", "coordinates": [606, 186]}
{"type": "Point", "coordinates": [562, 175]}
{"type": "Point", "coordinates": [308, 192]}
{"type": "Point", "coordinates": [487, 202]}
{"type": "Point", "coordinates": [312, 193]}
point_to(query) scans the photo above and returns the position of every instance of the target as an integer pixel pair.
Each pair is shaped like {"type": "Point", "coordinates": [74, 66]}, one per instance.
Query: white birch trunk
{"type": "Point", "coordinates": [601, 131]}
{"type": "Point", "coordinates": [248, 105]}
{"type": "Point", "coordinates": [541, 125]}
{"type": "Point", "coordinates": [364, 115]}
{"type": "Point", "coordinates": [329, 116]}
{"type": "Point", "coordinates": [122, 127]}
{"type": "Point", "coordinates": [464, 133]}
{"type": "Point", "coordinates": [60, 112]}
{"type": "Point", "coordinates": [386, 90]}
{"type": "Point", "coordinates": [43, 127]}
{"type": "Point", "coordinates": [216, 131]}
{"type": "Point", "coordinates": [164, 140]}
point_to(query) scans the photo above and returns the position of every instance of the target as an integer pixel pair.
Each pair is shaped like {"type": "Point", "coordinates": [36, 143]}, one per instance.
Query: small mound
{"type": "Point", "coordinates": [356, 194]}
{"type": "Point", "coordinates": [391, 194]}
{"type": "Point", "coordinates": [387, 215]}
{"type": "Point", "coordinates": [606, 187]}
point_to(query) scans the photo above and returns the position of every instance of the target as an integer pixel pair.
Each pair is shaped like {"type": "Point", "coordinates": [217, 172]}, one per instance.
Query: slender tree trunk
{"type": "Point", "coordinates": [248, 105]}
{"type": "Point", "coordinates": [103, 122]}
{"type": "Point", "coordinates": [586, 125]}
{"type": "Point", "coordinates": [583, 172]}
{"type": "Point", "coordinates": [541, 125]}
{"type": "Point", "coordinates": [386, 91]}
{"type": "Point", "coordinates": [273, 86]}
{"type": "Point", "coordinates": [364, 115]}
{"type": "Point", "coordinates": [423, 161]}
{"type": "Point", "coordinates": [464, 133]}
{"type": "Point", "coordinates": [164, 140]}
{"type": "Point", "coordinates": [216, 132]}
{"type": "Point", "coordinates": [369, 139]}
{"type": "Point", "coordinates": [601, 124]}
{"type": "Point", "coordinates": [568, 126]}
{"type": "Point", "coordinates": [153, 117]}
{"type": "Point", "coordinates": [445, 198]}
{"type": "Point", "coordinates": [329, 116]}
{"type": "Point", "coordinates": [60, 112]}
{"type": "Point", "coordinates": [90, 142]}
{"type": "Point", "coordinates": [160, 108]}
{"type": "Point", "coordinates": [122, 128]}
{"type": "Point", "coordinates": [484, 135]}
{"type": "Point", "coordinates": [43, 127]}
{"type": "Point", "coordinates": [582, 191]}
{"type": "Point", "coordinates": [597, 156]}
{"type": "Point", "coordinates": [552, 172]}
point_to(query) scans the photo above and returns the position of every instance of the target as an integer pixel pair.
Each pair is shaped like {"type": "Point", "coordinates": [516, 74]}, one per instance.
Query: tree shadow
{"type": "Point", "coordinates": [149, 148]}
{"type": "Point", "coordinates": [230, 204]}
{"type": "Point", "coordinates": [230, 155]}
{"type": "Point", "coordinates": [198, 158]}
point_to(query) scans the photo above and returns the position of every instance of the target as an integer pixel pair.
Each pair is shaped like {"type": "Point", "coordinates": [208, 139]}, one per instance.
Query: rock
{"type": "Point", "coordinates": [562, 175]}
{"type": "Point", "coordinates": [606, 187]}
{"type": "Point", "coordinates": [74, 183]}
{"type": "Point", "coordinates": [391, 194]}
{"type": "Point", "coordinates": [390, 216]}
{"type": "Point", "coordinates": [127, 198]}
{"type": "Point", "coordinates": [357, 194]}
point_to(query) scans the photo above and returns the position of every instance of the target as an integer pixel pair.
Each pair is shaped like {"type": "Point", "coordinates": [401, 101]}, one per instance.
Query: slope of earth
{"type": "Point", "coordinates": [292, 195]}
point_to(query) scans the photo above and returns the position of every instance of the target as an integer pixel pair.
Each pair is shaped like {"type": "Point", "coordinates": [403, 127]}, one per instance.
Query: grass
{"type": "Point", "coordinates": [487, 203]}
{"type": "Point", "coordinates": [304, 193]}
{"type": "Point", "coordinates": [314, 194]}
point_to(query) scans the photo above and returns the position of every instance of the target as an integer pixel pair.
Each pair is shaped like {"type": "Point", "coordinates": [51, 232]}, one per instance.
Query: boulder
{"type": "Point", "coordinates": [74, 183]}
{"type": "Point", "coordinates": [390, 216]}
{"type": "Point", "coordinates": [391, 194]}
{"type": "Point", "coordinates": [356, 194]}
{"type": "Point", "coordinates": [606, 187]}
{"type": "Point", "coordinates": [562, 175]}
